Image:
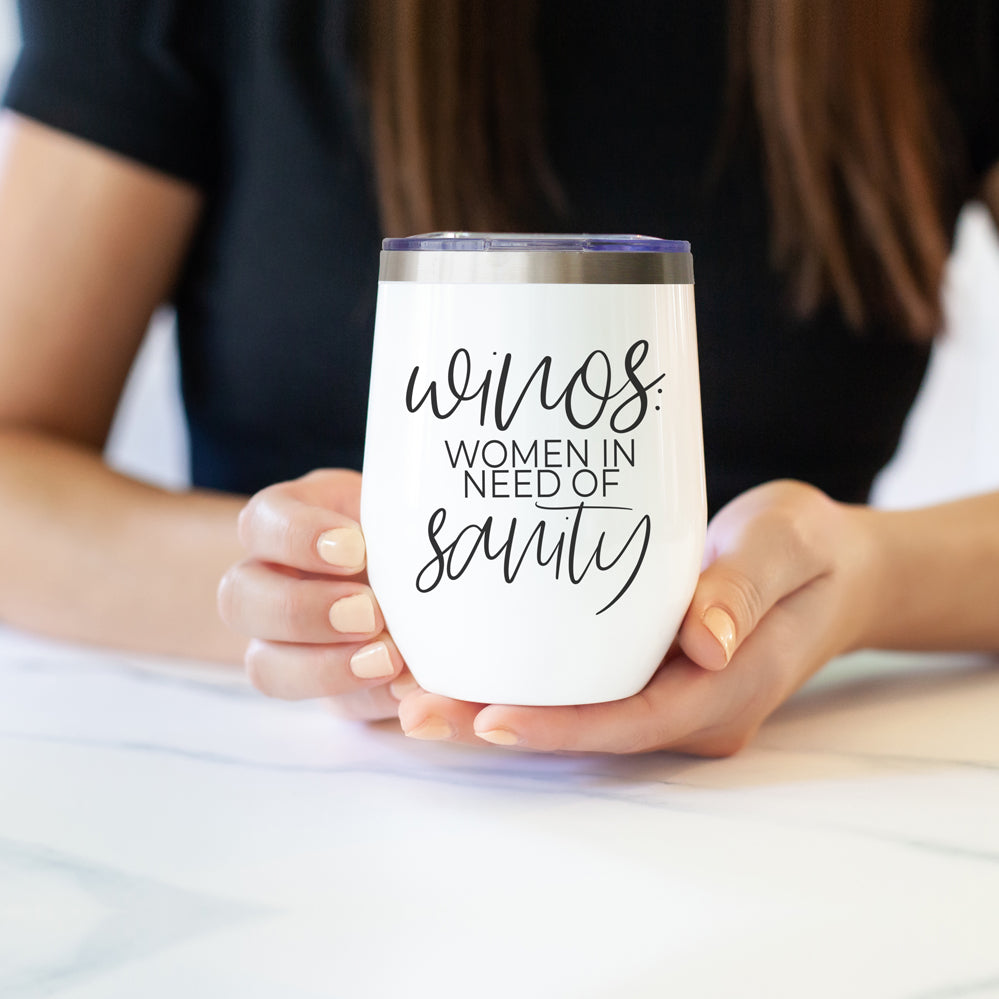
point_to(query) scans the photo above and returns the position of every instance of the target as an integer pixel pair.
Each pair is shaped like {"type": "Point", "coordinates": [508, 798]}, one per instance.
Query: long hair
{"type": "Point", "coordinates": [845, 111]}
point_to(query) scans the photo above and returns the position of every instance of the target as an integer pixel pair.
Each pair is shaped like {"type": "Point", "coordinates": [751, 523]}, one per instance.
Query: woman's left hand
{"type": "Point", "coordinates": [788, 583]}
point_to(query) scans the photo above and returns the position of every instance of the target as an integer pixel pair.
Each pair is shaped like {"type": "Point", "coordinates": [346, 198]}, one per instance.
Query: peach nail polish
{"type": "Point", "coordinates": [342, 547]}
{"type": "Point", "coordinates": [432, 729]}
{"type": "Point", "coordinates": [500, 737]}
{"type": "Point", "coordinates": [718, 622]}
{"type": "Point", "coordinates": [353, 615]}
{"type": "Point", "coordinates": [372, 661]}
{"type": "Point", "coordinates": [403, 686]}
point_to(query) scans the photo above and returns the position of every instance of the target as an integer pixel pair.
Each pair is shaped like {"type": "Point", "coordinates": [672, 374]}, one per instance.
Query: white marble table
{"type": "Point", "coordinates": [167, 832]}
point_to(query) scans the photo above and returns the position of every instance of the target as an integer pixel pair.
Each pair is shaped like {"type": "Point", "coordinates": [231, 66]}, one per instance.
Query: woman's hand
{"type": "Point", "coordinates": [788, 584]}
{"type": "Point", "coordinates": [302, 598]}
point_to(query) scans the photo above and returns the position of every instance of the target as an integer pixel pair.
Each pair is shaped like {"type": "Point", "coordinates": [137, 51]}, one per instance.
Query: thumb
{"type": "Point", "coordinates": [749, 576]}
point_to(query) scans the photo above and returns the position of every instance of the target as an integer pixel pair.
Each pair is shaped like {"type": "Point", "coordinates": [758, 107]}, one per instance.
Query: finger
{"type": "Point", "coordinates": [370, 704]}
{"type": "Point", "coordinates": [404, 685]}
{"type": "Point", "coordinates": [333, 488]}
{"type": "Point", "coordinates": [262, 602]}
{"type": "Point", "coordinates": [277, 525]}
{"type": "Point", "coordinates": [674, 704]}
{"type": "Point", "coordinates": [435, 718]}
{"type": "Point", "coordinates": [764, 560]}
{"type": "Point", "coordinates": [295, 672]}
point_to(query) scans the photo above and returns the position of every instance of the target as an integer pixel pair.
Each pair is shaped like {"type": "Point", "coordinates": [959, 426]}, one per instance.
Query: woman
{"type": "Point", "coordinates": [243, 159]}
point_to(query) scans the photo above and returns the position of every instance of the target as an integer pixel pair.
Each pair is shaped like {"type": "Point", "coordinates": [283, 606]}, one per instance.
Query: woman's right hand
{"type": "Point", "coordinates": [302, 597]}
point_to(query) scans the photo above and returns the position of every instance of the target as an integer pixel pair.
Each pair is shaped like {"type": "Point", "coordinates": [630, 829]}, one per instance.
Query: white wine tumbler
{"type": "Point", "coordinates": [533, 498]}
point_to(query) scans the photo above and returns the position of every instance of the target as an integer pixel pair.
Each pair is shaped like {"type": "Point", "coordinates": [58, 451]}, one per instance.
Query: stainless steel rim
{"type": "Point", "coordinates": [535, 267]}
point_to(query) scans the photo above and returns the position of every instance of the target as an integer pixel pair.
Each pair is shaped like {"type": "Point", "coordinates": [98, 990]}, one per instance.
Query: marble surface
{"type": "Point", "coordinates": [166, 831]}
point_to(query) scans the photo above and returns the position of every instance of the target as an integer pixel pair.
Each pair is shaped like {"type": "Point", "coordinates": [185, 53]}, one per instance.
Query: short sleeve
{"type": "Point", "coordinates": [128, 75]}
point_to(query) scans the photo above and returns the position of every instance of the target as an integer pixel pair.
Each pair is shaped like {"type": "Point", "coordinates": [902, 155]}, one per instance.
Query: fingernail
{"type": "Point", "coordinates": [500, 737]}
{"type": "Point", "coordinates": [403, 686]}
{"type": "Point", "coordinates": [432, 729]}
{"type": "Point", "coordinates": [342, 547]}
{"type": "Point", "coordinates": [722, 627]}
{"type": "Point", "coordinates": [354, 615]}
{"type": "Point", "coordinates": [372, 661]}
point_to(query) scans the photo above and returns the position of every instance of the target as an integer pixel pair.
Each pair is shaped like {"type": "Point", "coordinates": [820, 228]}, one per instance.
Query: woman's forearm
{"type": "Point", "coordinates": [937, 576]}
{"type": "Point", "coordinates": [91, 555]}
{"type": "Point", "coordinates": [91, 244]}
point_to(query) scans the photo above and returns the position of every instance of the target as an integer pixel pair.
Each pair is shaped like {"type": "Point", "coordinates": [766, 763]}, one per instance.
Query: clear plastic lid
{"type": "Point", "coordinates": [525, 242]}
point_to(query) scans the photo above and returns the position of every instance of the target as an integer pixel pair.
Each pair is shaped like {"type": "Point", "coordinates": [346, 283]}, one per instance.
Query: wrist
{"type": "Point", "coordinates": [871, 578]}
{"type": "Point", "coordinates": [933, 576]}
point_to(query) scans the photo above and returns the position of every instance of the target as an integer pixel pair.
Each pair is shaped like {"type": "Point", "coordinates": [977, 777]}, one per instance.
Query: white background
{"type": "Point", "coordinates": [951, 443]}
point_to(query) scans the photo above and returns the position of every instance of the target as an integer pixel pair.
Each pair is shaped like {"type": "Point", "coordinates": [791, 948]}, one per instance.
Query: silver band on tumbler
{"type": "Point", "coordinates": [535, 267]}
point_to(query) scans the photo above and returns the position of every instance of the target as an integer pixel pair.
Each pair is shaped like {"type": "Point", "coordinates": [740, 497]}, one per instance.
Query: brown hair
{"type": "Point", "coordinates": [845, 112]}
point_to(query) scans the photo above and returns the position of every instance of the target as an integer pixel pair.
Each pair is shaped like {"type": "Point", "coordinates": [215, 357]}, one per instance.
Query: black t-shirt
{"type": "Point", "coordinates": [258, 103]}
